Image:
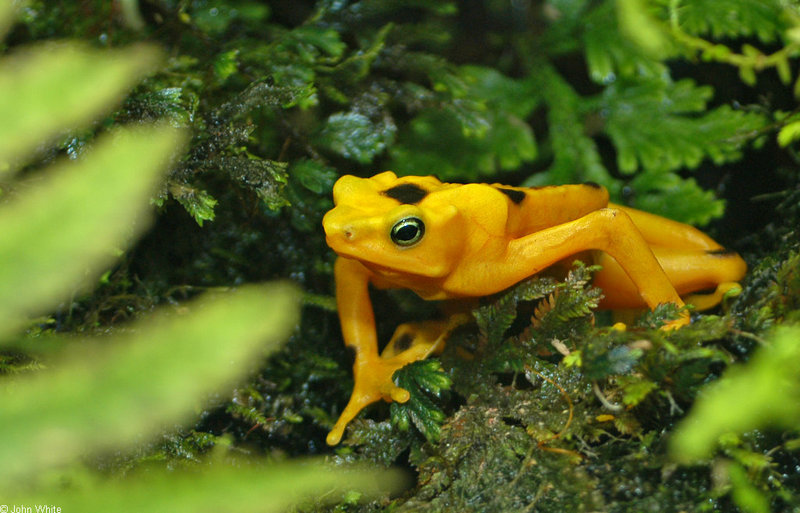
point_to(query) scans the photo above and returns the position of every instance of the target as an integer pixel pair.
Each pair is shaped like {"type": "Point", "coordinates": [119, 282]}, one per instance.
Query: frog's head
{"type": "Point", "coordinates": [395, 225]}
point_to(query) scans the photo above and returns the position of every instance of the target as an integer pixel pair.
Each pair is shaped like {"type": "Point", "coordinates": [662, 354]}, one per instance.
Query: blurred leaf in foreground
{"type": "Point", "coordinates": [247, 487]}
{"type": "Point", "coordinates": [763, 392]}
{"type": "Point", "coordinates": [70, 224]}
{"type": "Point", "coordinates": [106, 395]}
{"type": "Point", "coordinates": [49, 89]}
{"type": "Point", "coordinates": [6, 12]}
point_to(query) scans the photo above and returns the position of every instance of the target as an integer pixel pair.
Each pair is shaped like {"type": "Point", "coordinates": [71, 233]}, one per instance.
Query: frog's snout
{"type": "Point", "coordinates": [338, 227]}
{"type": "Point", "coordinates": [348, 232]}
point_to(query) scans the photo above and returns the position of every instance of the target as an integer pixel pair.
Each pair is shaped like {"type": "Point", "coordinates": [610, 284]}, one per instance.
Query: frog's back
{"type": "Point", "coordinates": [531, 209]}
{"type": "Point", "coordinates": [500, 209]}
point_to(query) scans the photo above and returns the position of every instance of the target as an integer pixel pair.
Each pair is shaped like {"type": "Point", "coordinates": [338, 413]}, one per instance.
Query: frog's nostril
{"type": "Point", "coordinates": [349, 233]}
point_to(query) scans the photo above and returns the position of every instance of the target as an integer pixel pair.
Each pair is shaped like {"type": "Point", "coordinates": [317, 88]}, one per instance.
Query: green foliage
{"type": "Point", "coordinates": [248, 487]}
{"type": "Point", "coordinates": [101, 394]}
{"type": "Point", "coordinates": [480, 133]}
{"type": "Point", "coordinates": [544, 411]}
{"type": "Point", "coordinates": [763, 392]}
{"type": "Point", "coordinates": [134, 384]}
{"type": "Point", "coordinates": [353, 135]}
{"type": "Point", "coordinates": [654, 124]}
{"type": "Point", "coordinates": [91, 82]}
{"type": "Point", "coordinates": [766, 20]}
{"type": "Point", "coordinates": [57, 220]}
{"type": "Point", "coordinates": [421, 378]}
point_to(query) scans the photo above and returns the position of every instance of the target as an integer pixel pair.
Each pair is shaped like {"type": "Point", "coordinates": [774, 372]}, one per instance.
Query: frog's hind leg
{"type": "Point", "coordinates": [690, 271]}
{"type": "Point", "coordinates": [692, 260]}
{"type": "Point", "coordinates": [707, 301]}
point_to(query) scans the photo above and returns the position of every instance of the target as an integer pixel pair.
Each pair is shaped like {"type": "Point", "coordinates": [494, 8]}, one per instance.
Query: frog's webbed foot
{"type": "Point", "coordinates": [373, 381]}
{"type": "Point", "coordinates": [373, 374]}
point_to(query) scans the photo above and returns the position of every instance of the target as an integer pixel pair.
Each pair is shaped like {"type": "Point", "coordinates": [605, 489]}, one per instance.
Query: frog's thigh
{"type": "Point", "coordinates": [662, 232]}
{"type": "Point", "coordinates": [689, 270]}
{"type": "Point", "coordinates": [609, 230]}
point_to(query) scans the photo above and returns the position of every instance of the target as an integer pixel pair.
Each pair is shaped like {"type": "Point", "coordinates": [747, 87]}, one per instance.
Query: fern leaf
{"type": "Point", "coordinates": [422, 379]}
{"type": "Point", "coordinates": [609, 54]}
{"type": "Point", "coordinates": [669, 195]}
{"type": "Point", "coordinates": [661, 126]}
{"type": "Point", "coordinates": [721, 19]}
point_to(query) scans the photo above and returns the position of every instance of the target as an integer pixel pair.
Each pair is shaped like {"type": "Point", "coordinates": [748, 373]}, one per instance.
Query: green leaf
{"type": "Point", "coordinates": [358, 65]}
{"type": "Point", "coordinates": [314, 176]}
{"type": "Point", "coordinates": [436, 141]}
{"type": "Point", "coordinates": [421, 378]}
{"type": "Point", "coordinates": [325, 39]}
{"type": "Point", "coordinates": [60, 233]}
{"type": "Point", "coordinates": [215, 16]}
{"type": "Point", "coordinates": [225, 65]}
{"type": "Point", "coordinates": [749, 498]}
{"type": "Point", "coordinates": [784, 68]}
{"type": "Point", "coordinates": [575, 155]}
{"type": "Point", "coordinates": [199, 203]}
{"type": "Point", "coordinates": [663, 126]}
{"type": "Point", "coordinates": [244, 487]}
{"type": "Point", "coordinates": [501, 92]}
{"type": "Point", "coordinates": [640, 25]}
{"type": "Point", "coordinates": [789, 133]}
{"type": "Point", "coordinates": [110, 394]}
{"type": "Point", "coordinates": [7, 12]}
{"type": "Point", "coordinates": [494, 318]}
{"type": "Point", "coordinates": [355, 136]}
{"type": "Point", "coordinates": [609, 54]}
{"type": "Point", "coordinates": [734, 19]}
{"type": "Point", "coordinates": [671, 196]}
{"type": "Point", "coordinates": [266, 177]}
{"type": "Point", "coordinates": [55, 87]}
{"type": "Point", "coordinates": [635, 389]}
{"type": "Point", "coordinates": [763, 392]}
{"type": "Point", "coordinates": [480, 132]}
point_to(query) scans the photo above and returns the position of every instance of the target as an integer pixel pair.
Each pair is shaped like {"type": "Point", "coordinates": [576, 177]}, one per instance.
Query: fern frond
{"type": "Point", "coordinates": [661, 126]}
{"type": "Point", "coordinates": [764, 19]}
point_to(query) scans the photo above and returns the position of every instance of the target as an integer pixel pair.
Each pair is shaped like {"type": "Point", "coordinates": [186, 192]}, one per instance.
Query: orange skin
{"type": "Point", "coordinates": [450, 241]}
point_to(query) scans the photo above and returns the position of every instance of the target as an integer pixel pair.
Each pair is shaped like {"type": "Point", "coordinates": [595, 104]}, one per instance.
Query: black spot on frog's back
{"type": "Point", "coordinates": [406, 193]}
{"type": "Point", "coordinates": [514, 195]}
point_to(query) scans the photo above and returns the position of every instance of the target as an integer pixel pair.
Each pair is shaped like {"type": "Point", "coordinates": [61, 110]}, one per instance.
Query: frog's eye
{"type": "Point", "coordinates": [408, 231]}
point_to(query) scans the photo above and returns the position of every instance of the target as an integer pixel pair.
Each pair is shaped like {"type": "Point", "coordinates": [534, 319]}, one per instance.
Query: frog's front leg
{"type": "Point", "coordinates": [610, 230]}
{"type": "Point", "coordinates": [372, 372]}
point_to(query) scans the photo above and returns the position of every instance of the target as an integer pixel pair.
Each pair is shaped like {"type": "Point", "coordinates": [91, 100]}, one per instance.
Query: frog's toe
{"type": "Point", "coordinates": [354, 406]}
{"type": "Point", "coordinates": [680, 322]}
{"type": "Point", "coordinates": [364, 394]}
{"type": "Point", "coordinates": [373, 381]}
{"type": "Point", "coordinates": [399, 395]}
